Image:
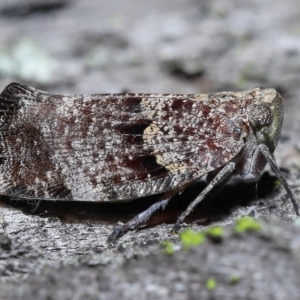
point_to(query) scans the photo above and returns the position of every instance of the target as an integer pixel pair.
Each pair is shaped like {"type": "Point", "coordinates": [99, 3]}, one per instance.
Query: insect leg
{"type": "Point", "coordinates": [138, 220]}
{"type": "Point", "coordinates": [210, 176]}
{"type": "Point", "coordinates": [262, 148]}
{"type": "Point", "coordinates": [226, 171]}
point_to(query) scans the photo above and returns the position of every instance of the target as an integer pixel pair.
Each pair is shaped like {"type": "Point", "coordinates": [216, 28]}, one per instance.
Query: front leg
{"type": "Point", "coordinates": [264, 150]}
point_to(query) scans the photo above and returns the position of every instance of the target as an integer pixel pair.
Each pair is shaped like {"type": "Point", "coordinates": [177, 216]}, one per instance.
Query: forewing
{"type": "Point", "coordinates": [111, 146]}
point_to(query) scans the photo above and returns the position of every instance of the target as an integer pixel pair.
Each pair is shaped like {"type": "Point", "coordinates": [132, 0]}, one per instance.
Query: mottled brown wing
{"type": "Point", "coordinates": [111, 146]}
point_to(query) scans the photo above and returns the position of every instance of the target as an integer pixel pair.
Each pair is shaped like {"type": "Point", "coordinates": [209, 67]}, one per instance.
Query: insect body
{"type": "Point", "coordinates": [124, 146]}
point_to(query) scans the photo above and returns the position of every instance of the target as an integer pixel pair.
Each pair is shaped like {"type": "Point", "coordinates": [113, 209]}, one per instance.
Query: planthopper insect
{"type": "Point", "coordinates": [123, 146]}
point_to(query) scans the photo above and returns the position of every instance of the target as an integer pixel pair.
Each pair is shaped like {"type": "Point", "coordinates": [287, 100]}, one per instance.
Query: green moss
{"type": "Point", "coordinates": [190, 238]}
{"type": "Point", "coordinates": [168, 247]}
{"type": "Point", "coordinates": [277, 184]}
{"type": "Point", "coordinates": [211, 284]}
{"type": "Point", "coordinates": [233, 279]}
{"type": "Point", "coordinates": [246, 224]}
{"type": "Point", "coordinates": [215, 232]}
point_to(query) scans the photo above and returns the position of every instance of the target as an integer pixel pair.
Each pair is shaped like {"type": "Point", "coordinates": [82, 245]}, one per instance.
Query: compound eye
{"type": "Point", "coordinates": [260, 115]}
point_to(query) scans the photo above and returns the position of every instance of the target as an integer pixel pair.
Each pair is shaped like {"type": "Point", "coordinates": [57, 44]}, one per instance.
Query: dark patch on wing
{"type": "Point", "coordinates": [133, 132]}
{"type": "Point", "coordinates": [132, 104]}
{"type": "Point", "coordinates": [205, 111]}
{"type": "Point", "coordinates": [135, 128]}
{"type": "Point", "coordinates": [59, 191]}
{"type": "Point", "coordinates": [144, 165]}
{"type": "Point", "coordinates": [177, 104]}
{"type": "Point", "coordinates": [181, 104]}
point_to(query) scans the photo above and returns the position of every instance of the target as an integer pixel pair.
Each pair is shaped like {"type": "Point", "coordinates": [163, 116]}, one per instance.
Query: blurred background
{"type": "Point", "coordinates": [157, 46]}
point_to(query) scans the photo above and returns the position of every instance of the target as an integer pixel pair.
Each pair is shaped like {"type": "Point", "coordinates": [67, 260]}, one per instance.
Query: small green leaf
{"type": "Point", "coordinates": [211, 284]}
{"type": "Point", "coordinates": [190, 238]}
{"type": "Point", "coordinates": [246, 224]}
{"type": "Point", "coordinates": [168, 247]}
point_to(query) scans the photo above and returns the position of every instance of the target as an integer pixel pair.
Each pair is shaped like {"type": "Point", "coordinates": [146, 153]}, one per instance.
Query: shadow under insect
{"type": "Point", "coordinates": [216, 206]}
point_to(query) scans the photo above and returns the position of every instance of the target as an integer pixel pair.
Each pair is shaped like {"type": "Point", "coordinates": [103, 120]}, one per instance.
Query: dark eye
{"type": "Point", "coordinates": [260, 115]}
